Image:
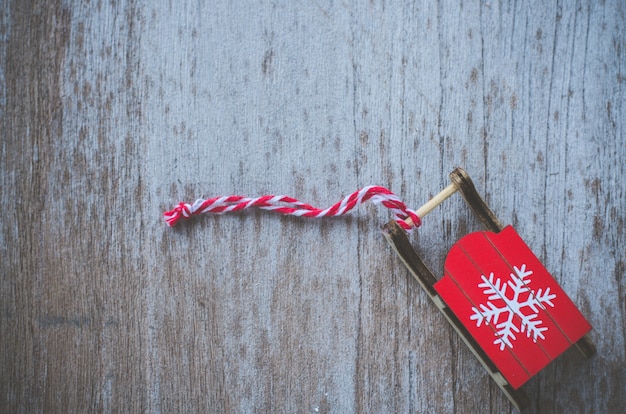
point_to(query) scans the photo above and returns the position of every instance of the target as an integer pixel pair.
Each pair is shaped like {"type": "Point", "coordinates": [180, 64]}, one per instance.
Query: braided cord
{"type": "Point", "coordinates": [290, 206]}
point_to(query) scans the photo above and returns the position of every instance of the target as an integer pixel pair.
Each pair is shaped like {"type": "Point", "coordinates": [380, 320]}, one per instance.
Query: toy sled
{"type": "Point", "coordinates": [497, 295]}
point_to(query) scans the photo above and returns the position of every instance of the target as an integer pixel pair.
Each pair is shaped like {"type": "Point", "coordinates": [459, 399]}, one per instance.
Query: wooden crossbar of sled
{"type": "Point", "coordinates": [479, 263]}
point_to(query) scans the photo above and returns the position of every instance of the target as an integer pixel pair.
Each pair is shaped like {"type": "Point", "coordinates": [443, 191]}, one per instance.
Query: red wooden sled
{"type": "Point", "coordinates": [497, 295]}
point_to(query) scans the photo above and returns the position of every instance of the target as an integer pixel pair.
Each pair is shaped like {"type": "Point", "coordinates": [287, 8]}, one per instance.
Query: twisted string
{"type": "Point", "coordinates": [293, 207]}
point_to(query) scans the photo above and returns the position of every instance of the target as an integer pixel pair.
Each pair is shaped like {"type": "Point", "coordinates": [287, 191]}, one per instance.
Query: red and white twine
{"type": "Point", "coordinates": [293, 207]}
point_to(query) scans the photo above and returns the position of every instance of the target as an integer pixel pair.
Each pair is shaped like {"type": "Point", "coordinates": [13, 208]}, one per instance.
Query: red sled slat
{"type": "Point", "coordinates": [485, 252]}
{"type": "Point", "coordinates": [468, 275]}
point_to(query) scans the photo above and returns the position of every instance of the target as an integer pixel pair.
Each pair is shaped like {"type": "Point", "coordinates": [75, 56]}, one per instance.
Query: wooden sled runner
{"type": "Point", "coordinates": [496, 294]}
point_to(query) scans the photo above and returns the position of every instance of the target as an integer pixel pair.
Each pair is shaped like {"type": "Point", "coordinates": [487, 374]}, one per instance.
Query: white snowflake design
{"type": "Point", "coordinates": [508, 306]}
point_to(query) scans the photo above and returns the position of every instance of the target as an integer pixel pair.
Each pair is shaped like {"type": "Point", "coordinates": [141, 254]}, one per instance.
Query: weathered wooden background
{"type": "Point", "coordinates": [113, 111]}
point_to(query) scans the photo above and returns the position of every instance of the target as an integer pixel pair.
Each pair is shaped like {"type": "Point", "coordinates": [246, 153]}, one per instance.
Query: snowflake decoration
{"type": "Point", "coordinates": [523, 303]}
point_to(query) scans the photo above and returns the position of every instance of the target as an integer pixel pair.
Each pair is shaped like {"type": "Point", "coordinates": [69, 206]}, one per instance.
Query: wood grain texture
{"type": "Point", "coordinates": [112, 112]}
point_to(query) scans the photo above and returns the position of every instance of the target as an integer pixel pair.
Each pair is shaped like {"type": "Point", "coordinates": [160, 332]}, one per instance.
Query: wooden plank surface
{"type": "Point", "coordinates": [112, 112]}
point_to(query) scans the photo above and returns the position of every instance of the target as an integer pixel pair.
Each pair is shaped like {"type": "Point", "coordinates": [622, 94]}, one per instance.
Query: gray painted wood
{"type": "Point", "coordinates": [112, 112]}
